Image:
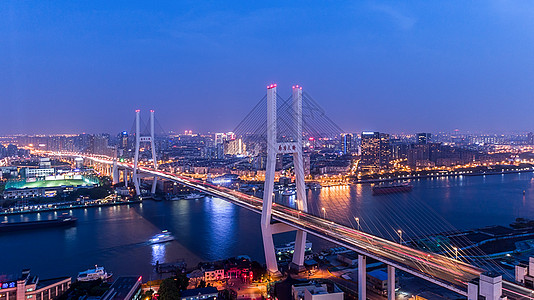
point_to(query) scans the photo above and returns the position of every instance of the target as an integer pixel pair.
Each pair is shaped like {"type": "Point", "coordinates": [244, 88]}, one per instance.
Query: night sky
{"type": "Point", "coordinates": [398, 66]}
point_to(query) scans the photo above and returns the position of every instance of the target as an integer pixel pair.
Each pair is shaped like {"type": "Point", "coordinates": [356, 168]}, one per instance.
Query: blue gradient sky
{"type": "Point", "coordinates": [399, 66]}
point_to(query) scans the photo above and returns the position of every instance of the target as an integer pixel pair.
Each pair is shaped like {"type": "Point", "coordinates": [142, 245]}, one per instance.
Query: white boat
{"type": "Point", "coordinates": [194, 196]}
{"type": "Point", "coordinates": [164, 236]}
{"type": "Point", "coordinates": [94, 274]}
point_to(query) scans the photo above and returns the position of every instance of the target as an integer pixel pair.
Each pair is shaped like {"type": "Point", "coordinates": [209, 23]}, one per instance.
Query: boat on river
{"type": "Point", "coordinates": [63, 220]}
{"type": "Point", "coordinates": [164, 236]}
{"type": "Point", "coordinates": [382, 189]}
{"type": "Point", "coordinates": [94, 274]}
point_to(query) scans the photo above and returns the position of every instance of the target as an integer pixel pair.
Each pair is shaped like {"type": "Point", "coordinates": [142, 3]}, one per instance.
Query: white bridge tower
{"type": "Point", "coordinates": [274, 148]}
{"type": "Point", "coordinates": [144, 139]}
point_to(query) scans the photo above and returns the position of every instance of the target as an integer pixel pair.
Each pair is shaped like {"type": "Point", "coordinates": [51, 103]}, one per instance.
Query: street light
{"type": "Point", "coordinates": [456, 252]}
{"type": "Point", "coordinates": [400, 236]}
{"type": "Point", "coordinates": [324, 213]}
{"type": "Point", "coordinates": [357, 221]}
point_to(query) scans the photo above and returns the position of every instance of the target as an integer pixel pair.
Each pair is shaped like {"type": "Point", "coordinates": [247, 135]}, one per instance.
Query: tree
{"type": "Point", "coordinates": [168, 290]}
{"type": "Point", "coordinates": [258, 271]}
{"type": "Point", "coordinates": [182, 281]}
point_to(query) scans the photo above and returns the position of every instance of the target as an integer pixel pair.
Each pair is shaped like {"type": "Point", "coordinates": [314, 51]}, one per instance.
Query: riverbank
{"type": "Point", "coordinates": [439, 174]}
{"type": "Point", "coordinates": [65, 206]}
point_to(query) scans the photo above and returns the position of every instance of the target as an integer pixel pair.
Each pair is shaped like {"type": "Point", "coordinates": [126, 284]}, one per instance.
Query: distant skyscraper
{"type": "Point", "coordinates": [12, 150]}
{"type": "Point", "coordinates": [424, 138]}
{"type": "Point", "coordinates": [3, 151]}
{"type": "Point", "coordinates": [375, 150]}
{"type": "Point", "coordinates": [385, 150]}
{"type": "Point", "coordinates": [370, 150]}
{"type": "Point", "coordinates": [234, 147]}
{"type": "Point", "coordinates": [123, 140]}
{"type": "Point", "coordinates": [346, 143]}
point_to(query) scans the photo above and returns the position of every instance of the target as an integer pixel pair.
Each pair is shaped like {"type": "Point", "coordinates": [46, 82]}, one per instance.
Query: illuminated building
{"type": "Point", "coordinates": [234, 147]}
{"type": "Point", "coordinates": [424, 138]}
{"type": "Point", "coordinates": [12, 150]}
{"type": "Point", "coordinates": [346, 143]}
{"type": "Point", "coordinates": [375, 150]}
{"type": "Point", "coordinates": [209, 292]}
{"type": "Point", "coordinates": [385, 150]}
{"type": "Point", "coordinates": [28, 287]}
{"type": "Point", "coordinates": [370, 150]}
{"type": "Point", "coordinates": [123, 140]}
{"type": "Point", "coordinates": [3, 151]}
{"type": "Point", "coordinates": [310, 291]}
{"type": "Point", "coordinates": [124, 288]}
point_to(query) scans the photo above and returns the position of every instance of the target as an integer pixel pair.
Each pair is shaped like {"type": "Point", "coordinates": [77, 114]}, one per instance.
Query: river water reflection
{"type": "Point", "coordinates": [211, 229]}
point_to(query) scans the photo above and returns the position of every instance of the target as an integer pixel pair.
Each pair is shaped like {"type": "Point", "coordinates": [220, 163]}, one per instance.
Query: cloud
{"type": "Point", "coordinates": [403, 21]}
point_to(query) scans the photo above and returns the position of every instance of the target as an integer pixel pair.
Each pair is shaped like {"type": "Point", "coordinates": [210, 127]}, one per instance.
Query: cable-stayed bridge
{"type": "Point", "coordinates": [281, 133]}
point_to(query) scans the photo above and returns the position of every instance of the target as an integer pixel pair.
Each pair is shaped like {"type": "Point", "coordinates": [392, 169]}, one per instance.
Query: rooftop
{"type": "Point", "coordinates": [200, 291]}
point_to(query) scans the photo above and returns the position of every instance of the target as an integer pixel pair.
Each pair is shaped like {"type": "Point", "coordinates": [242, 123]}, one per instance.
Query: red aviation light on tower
{"type": "Point", "coordinates": [297, 87]}
{"type": "Point", "coordinates": [137, 110]}
{"type": "Point", "coordinates": [151, 110]}
{"type": "Point", "coordinates": [271, 86]}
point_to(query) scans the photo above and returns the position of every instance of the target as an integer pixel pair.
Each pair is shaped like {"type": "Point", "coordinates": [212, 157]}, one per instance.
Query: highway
{"type": "Point", "coordinates": [444, 271]}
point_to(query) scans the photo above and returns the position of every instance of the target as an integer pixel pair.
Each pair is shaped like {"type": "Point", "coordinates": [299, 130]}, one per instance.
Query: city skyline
{"type": "Point", "coordinates": [385, 66]}
{"type": "Point", "coordinates": [267, 150]}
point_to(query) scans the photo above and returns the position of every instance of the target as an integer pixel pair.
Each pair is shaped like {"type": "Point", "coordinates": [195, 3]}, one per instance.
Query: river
{"type": "Point", "coordinates": [211, 229]}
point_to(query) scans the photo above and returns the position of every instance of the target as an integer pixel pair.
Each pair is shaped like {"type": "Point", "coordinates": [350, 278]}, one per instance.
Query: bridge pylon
{"type": "Point", "coordinates": [143, 139]}
{"type": "Point", "coordinates": [273, 149]}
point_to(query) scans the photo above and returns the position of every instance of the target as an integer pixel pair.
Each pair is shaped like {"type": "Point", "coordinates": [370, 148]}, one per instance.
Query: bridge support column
{"type": "Point", "coordinates": [266, 229]}
{"type": "Point", "coordinates": [362, 277]}
{"type": "Point", "coordinates": [154, 185]}
{"type": "Point", "coordinates": [145, 139]}
{"type": "Point", "coordinates": [472, 291]}
{"type": "Point", "coordinates": [274, 148]}
{"type": "Point", "coordinates": [115, 172]}
{"type": "Point", "coordinates": [298, 162]}
{"type": "Point", "coordinates": [391, 283]}
{"type": "Point", "coordinates": [297, 264]}
{"type": "Point", "coordinates": [136, 157]}
{"type": "Point", "coordinates": [489, 285]}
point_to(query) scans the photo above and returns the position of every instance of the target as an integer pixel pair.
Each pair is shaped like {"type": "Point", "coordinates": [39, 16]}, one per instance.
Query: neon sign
{"type": "Point", "coordinates": [8, 285]}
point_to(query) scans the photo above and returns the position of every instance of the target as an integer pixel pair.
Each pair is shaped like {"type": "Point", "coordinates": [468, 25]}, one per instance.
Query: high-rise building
{"type": "Point", "coordinates": [100, 144]}
{"type": "Point", "coordinates": [234, 147]}
{"type": "Point", "coordinates": [375, 150]}
{"type": "Point", "coordinates": [385, 150]}
{"type": "Point", "coordinates": [12, 150]}
{"type": "Point", "coordinates": [370, 150]}
{"type": "Point", "coordinates": [424, 138]}
{"type": "Point", "coordinates": [123, 140]}
{"type": "Point", "coordinates": [346, 143]}
{"type": "Point", "coordinates": [3, 151]}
